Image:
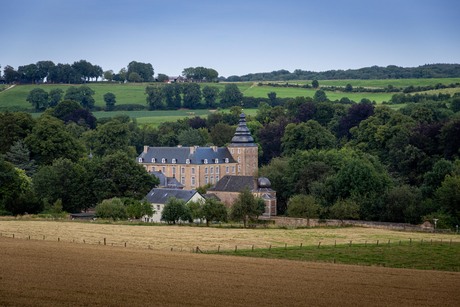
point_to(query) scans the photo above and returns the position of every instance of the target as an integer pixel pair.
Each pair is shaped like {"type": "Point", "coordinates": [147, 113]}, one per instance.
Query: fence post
{"type": "Point", "coordinates": [388, 241]}
{"type": "Point", "coordinates": [300, 244]}
{"type": "Point", "coordinates": [236, 248]}
{"type": "Point", "coordinates": [377, 242]}
{"type": "Point", "coordinates": [125, 244]}
{"type": "Point", "coordinates": [350, 243]}
{"type": "Point", "coordinates": [59, 239]}
{"type": "Point", "coordinates": [319, 244]}
{"type": "Point", "coordinates": [218, 249]}
{"type": "Point", "coordinates": [13, 235]}
{"type": "Point", "coordinates": [252, 247]}
{"type": "Point", "coordinates": [104, 241]}
{"type": "Point", "coordinates": [270, 248]}
{"type": "Point", "coordinates": [43, 237]}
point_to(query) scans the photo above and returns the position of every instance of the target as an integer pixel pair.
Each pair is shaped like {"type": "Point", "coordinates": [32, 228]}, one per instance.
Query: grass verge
{"type": "Point", "coordinates": [428, 255]}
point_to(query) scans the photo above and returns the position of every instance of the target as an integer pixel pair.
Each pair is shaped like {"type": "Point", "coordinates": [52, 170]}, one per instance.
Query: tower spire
{"type": "Point", "coordinates": [242, 136]}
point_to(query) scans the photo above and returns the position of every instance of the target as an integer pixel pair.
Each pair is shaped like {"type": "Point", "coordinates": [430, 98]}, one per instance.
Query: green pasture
{"type": "Point", "coordinates": [422, 255]}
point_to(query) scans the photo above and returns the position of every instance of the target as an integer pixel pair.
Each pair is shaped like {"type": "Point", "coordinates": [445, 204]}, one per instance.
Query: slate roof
{"type": "Point", "coordinates": [161, 196]}
{"type": "Point", "coordinates": [234, 184]}
{"type": "Point", "coordinates": [242, 135]}
{"type": "Point", "coordinates": [167, 182]}
{"type": "Point", "coordinates": [197, 155]}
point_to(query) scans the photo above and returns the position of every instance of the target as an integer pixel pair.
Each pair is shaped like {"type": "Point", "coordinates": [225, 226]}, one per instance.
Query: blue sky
{"type": "Point", "coordinates": [234, 37]}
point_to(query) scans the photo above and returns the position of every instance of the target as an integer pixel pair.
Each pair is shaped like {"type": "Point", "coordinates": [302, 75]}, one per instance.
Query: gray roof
{"type": "Point", "coordinates": [242, 135]}
{"type": "Point", "coordinates": [234, 184]}
{"type": "Point", "coordinates": [161, 196]}
{"type": "Point", "coordinates": [196, 155]}
{"type": "Point", "coordinates": [167, 182]}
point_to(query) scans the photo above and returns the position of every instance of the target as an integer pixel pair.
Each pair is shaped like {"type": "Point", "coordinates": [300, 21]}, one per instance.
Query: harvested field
{"type": "Point", "coordinates": [187, 238]}
{"type": "Point", "coordinates": [44, 273]}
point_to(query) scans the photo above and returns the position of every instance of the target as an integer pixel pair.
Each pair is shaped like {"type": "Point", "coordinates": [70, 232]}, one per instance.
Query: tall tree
{"type": "Point", "coordinates": [246, 208]}
{"type": "Point", "coordinates": [230, 96]}
{"type": "Point", "coordinates": [307, 135]}
{"type": "Point", "coordinates": [214, 211]}
{"type": "Point", "coordinates": [110, 101]}
{"type": "Point", "coordinates": [144, 70]}
{"type": "Point", "coordinates": [210, 94]}
{"type": "Point", "coordinates": [303, 206]}
{"type": "Point", "coordinates": [55, 96]}
{"type": "Point", "coordinates": [192, 95]}
{"type": "Point", "coordinates": [82, 94]}
{"type": "Point", "coordinates": [175, 210]}
{"type": "Point", "coordinates": [154, 97]}
{"type": "Point", "coordinates": [38, 97]}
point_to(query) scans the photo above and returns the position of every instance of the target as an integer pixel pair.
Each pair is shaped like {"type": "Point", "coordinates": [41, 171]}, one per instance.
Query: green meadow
{"type": "Point", "coordinates": [15, 98]}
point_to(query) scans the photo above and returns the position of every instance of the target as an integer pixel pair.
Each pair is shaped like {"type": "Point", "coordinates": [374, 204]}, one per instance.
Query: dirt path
{"type": "Point", "coordinates": [43, 273]}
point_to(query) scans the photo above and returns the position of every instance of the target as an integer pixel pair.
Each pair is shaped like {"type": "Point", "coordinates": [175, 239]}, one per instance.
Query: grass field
{"type": "Point", "coordinates": [37, 273]}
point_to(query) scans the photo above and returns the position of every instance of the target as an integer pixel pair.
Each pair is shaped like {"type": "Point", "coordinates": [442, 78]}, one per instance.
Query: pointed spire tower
{"type": "Point", "coordinates": [244, 150]}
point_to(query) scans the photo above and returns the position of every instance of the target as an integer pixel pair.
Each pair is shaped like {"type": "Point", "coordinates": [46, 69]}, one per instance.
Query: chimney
{"type": "Point", "coordinates": [146, 148]}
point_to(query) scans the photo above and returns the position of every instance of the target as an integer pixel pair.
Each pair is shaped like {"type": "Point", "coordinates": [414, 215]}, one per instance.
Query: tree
{"type": "Point", "coordinates": [348, 88]}
{"type": "Point", "coordinates": [448, 197]}
{"type": "Point", "coordinates": [214, 211]}
{"type": "Point", "coordinates": [136, 209]}
{"type": "Point", "coordinates": [49, 140]}
{"type": "Point", "coordinates": [82, 94]}
{"type": "Point", "coordinates": [194, 207]}
{"type": "Point", "coordinates": [84, 69]}
{"type": "Point", "coordinates": [402, 204]}
{"type": "Point", "coordinates": [210, 94]}
{"type": "Point", "coordinates": [55, 96]}
{"type": "Point", "coordinates": [320, 96]}
{"type": "Point", "coordinates": [175, 210]}
{"type": "Point", "coordinates": [14, 126]}
{"type": "Point", "coordinates": [191, 137]}
{"type": "Point", "coordinates": [112, 208]}
{"type": "Point", "coordinates": [315, 84]}
{"type": "Point", "coordinates": [230, 96]}
{"type": "Point", "coordinates": [64, 180]}
{"type": "Point", "coordinates": [222, 134]}
{"type": "Point", "coordinates": [356, 114]}
{"type": "Point", "coordinates": [303, 206]}
{"type": "Point", "coordinates": [143, 70]}
{"type": "Point", "coordinates": [154, 97]}
{"type": "Point", "coordinates": [110, 101]}
{"type": "Point", "coordinates": [246, 208]}
{"type": "Point", "coordinates": [306, 136]}
{"type": "Point", "coordinates": [192, 95]}
{"type": "Point", "coordinates": [162, 78]}
{"type": "Point", "coordinates": [38, 97]}
{"type": "Point", "coordinates": [344, 209]}
{"type": "Point", "coordinates": [172, 95]}
{"type": "Point", "coordinates": [134, 77]}
{"type": "Point", "coordinates": [109, 75]}
{"type": "Point", "coordinates": [19, 156]}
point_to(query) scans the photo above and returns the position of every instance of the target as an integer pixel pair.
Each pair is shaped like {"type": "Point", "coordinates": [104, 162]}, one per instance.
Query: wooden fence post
{"type": "Point", "coordinates": [218, 249]}
{"type": "Point", "coordinates": [319, 244]}
{"type": "Point", "coordinates": [252, 247]}
{"type": "Point", "coordinates": [350, 243]}
{"type": "Point", "coordinates": [377, 242]}
{"type": "Point", "coordinates": [236, 248]}
{"type": "Point", "coordinates": [104, 241]}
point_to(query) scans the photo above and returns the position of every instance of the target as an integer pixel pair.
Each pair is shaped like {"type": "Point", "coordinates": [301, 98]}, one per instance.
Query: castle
{"type": "Point", "coordinates": [198, 166]}
{"type": "Point", "coordinates": [228, 169]}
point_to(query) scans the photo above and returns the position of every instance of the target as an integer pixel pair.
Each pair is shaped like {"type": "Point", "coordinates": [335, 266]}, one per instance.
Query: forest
{"type": "Point", "coordinates": [326, 159]}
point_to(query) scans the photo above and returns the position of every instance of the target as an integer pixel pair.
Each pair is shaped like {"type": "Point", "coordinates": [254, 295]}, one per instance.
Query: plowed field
{"type": "Point", "coordinates": [44, 273]}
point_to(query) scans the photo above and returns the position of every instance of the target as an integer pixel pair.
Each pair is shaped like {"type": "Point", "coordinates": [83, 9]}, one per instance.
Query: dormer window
{"type": "Point", "coordinates": [226, 160]}
{"type": "Point", "coordinates": [205, 161]}
{"type": "Point", "coordinates": [153, 160]}
{"type": "Point", "coordinates": [217, 160]}
{"type": "Point", "coordinates": [140, 160]}
{"type": "Point", "coordinates": [173, 161]}
{"type": "Point", "coordinates": [187, 161]}
{"type": "Point", "coordinates": [163, 160]}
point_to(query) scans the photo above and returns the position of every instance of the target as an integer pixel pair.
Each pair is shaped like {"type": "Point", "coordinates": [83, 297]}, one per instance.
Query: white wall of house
{"type": "Point", "coordinates": [158, 209]}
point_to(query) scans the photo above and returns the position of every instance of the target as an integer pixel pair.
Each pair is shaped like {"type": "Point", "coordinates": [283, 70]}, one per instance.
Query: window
{"type": "Point", "coordinates": [217, 178]}
{"type": "Point", "coordinates": [164, 170]}
{"type": "Point", "coordinates": [182, 180]}
{"type": "Point", "coordinates": [174, 170]}
{"type": "Point", "coordinates": [226, 160]}
{"type": "Point", "coordinates": [233, 169]}
{"type": "Point", "coordinates": [174, 161]}
{"type": "Point", "coordinates": [239, 159]}
{"type": "Point", "coordinates": [187, 161]}
{"type": "Point", "coordinates": [140, 160]}
{"type": "Point", "coordinates": [205, 170]}
{"type": "Point", "coordinates": [239, 168]}
{"type": "Point", "coordinates": [206, 179]}
{"type": "Point", "coordinates": [217, 160]}
{"type": "Point", "coordinates": [193, 171]}
{"type": "Point", "coordinates": [182, 170]}
{"type": "Point", "coordinates": [158, 207]}
{"type": "Point", "coordinates": [217, 170]}
{"type": "Point", "coordinates": [153, 160]}
{"type": "Point", "coordinates": [212, 179]}
{"type": "Point", "coordinates": [239, 150]}
{"type": "Point", "coordinates": [193, 180]}
{"type": "Point", "coordinates": [232, 151]}
{"type": "Point", "coordinates": [226, 169]}
{"type": "Point", "coordinates": [212, 170]}
{"type": "Point", "coordinates": [163, 160]}
{"type": "Point", "coordinates": [205, 161]}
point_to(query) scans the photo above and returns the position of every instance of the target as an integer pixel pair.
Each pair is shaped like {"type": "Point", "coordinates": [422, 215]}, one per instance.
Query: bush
{"type": "Point", "coordinates": [111, 209]}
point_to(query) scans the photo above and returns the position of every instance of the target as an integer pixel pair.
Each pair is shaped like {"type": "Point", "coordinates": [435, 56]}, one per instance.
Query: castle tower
{"type": "Point", "coordinates": [244, 150]}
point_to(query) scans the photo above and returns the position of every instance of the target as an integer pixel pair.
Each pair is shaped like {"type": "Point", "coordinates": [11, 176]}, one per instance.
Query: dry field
{"type": "Point", "coordinates": [186, 238]}
{"type": "Point", "coordinates": [45, 273]}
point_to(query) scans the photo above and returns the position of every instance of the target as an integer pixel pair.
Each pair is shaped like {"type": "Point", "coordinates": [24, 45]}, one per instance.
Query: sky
{"type": "Point", "coordinates": [234, 37]}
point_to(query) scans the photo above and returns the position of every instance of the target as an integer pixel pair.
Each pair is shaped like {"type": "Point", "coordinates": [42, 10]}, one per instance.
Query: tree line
{"type": "Point", "coordinates": [350, 159]}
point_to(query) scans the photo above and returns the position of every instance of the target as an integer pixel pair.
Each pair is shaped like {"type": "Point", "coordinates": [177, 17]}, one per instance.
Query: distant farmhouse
{"type": "Point", "coordinates": [188, 168]}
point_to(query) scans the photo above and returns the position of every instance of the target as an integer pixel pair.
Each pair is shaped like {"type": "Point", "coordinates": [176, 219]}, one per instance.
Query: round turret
{"type": "Point", "coordinates": [263, 182]}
